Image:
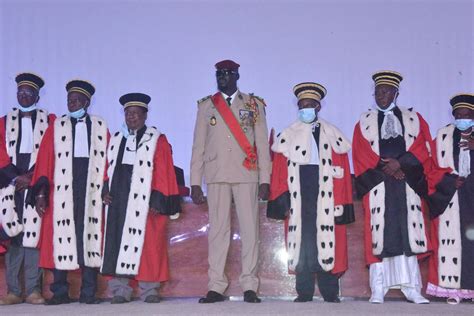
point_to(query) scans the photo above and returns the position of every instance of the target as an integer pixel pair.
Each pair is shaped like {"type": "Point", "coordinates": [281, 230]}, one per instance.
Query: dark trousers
{"type": "Point", "coordinates": [328, 284]}
{"type": "Point", "coordinates": [60, 286]}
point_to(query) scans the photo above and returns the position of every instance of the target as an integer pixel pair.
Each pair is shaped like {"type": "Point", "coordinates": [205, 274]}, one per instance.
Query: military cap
{"type": "Point", "coordinates": [387, 77]}
{"type": "Point", "coordinates": [227, 64]}
{"type": "Point", "coordinates": [29, 79]}
{"type": "Point", "coordinates": [81, 86]}
{"type": "Point", "coordinates": [309, 90]}
{"type": "Point", "coordinates": [135, 99]}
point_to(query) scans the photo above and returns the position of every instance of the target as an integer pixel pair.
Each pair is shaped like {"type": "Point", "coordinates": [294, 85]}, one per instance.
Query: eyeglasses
{"type": "Point", "coordinates": [25, 94]}
{"type": "Point", "coordinates": [225, 72]}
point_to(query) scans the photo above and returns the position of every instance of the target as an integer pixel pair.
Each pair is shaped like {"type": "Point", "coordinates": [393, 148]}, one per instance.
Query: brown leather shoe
{"type": "Point", "coordinates": [11, 299]}
{"type": "Point", "coordinates": [34, 298]}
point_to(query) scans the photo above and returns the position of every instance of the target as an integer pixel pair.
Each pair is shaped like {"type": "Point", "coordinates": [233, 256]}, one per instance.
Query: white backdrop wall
{"type": "Point", "coordinates": [168, 49]}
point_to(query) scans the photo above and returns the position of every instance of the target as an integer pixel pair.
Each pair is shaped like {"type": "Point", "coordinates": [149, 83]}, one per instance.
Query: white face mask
{"type": "Point", "coordinates": [307, 115]}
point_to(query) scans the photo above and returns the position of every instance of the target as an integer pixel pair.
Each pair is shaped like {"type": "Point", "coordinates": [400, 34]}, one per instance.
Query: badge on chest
{"type": "Point", "coordinates": [247, 118]}
{"type": "Point", "coordinates": [213, 121]}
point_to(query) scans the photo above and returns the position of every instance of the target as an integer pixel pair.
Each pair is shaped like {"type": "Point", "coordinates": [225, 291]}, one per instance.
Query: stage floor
{"type": "Point", "coordinates": [189, 306]}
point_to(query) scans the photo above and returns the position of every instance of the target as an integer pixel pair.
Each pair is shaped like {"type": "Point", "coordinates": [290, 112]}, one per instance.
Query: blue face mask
{"type": "Point", "coordinates": [463, 124]}
{"type": "Point", "coordinates": [77, 114]}
{"type": "Point", "coordinates": [307, 115]}
{"type": "Point", "coordinates": [29, 109]}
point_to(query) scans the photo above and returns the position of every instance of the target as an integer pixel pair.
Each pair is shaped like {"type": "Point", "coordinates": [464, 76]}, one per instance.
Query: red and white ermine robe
{"type": "Point", "coordinates": [135, 239]}
{"type": "Point", "coordinates": [333, 208]}
{"type": "Point", "coordinates": [395, 211]}
{"type": "Point", "coordinates": [16, 216]}
{"type": "Point", "coordinates": [451, 268]}
{"type": "Point", "coordinates": [61, 235]}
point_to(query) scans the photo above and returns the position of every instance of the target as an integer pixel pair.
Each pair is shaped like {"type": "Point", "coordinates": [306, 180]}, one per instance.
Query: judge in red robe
{"type": "Point", "coordinates": [66, 188]}
{"type": "Point", "coordinates": [451, 268]}
{"type": "Point", "coordinates": [21, 131]}
{"type": "Point", "coordinates": [142, 193]}
{"type": "Point", "coordinates": [6, 168]}
{"type": "Point", "coordinates": [390, 152]}
{"type": "Point", "coordinates": [311, 188]}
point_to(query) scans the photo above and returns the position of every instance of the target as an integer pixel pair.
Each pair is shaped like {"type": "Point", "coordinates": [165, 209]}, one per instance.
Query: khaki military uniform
{"type": "Point", "coordinates": [218, 158]}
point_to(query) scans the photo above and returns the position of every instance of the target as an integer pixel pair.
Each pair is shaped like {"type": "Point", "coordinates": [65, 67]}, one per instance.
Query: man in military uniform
{"type": "Point", "coordinates": [231, 151]}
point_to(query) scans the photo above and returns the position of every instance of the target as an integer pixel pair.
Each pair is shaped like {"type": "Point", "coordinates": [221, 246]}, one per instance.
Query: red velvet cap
{"type": "Point", "coordinates": [227, 64]}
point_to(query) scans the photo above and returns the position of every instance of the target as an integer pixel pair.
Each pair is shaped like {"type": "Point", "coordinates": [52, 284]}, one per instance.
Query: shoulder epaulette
{"type": "Point", "coordinates": [204, 99]}
{"type": "Point", "coordinates": [258, 98]}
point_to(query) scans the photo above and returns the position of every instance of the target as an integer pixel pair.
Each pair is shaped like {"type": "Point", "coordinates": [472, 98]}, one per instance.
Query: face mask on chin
{"type": "Point", "coordinates": [28, 109]}
{"type": "Point", "coordinates": [77, 114]}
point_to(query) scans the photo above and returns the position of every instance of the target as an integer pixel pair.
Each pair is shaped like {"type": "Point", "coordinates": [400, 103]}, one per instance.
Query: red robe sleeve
{"type": "Point", "coordinates": [7, 171]}
{"type": "Point", "coordinates": [343, 198]}
{"type": "Point", "coordinates": [342, 186]}
{"type": "Point", "coordinates": [165, 194]}
{"type": "Point", "coordinates": [43, 177]}
{"type": "Point", "coordinates": [441, 185]}
{"type": "Point", "coordinates": [2, 129]}
{"type": "Point", "coordinates": [279, 200]}
{"type": "Point", "coordinates": [154, 266]}
{"type": "Point", "coordinates": [365, 160]}
{"type": "Point", "coordinates": [417, 164]}
{"type": "Point", "coordinates": [4, 178]}
{"type": "Point", "coordinates": [4, 158]}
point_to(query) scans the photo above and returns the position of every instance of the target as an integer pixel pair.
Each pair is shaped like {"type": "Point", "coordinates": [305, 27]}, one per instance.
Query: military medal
{"type": "Point", "coordinates": [213, 121]}
{"type": "Point", "coordinates": [252, 106]}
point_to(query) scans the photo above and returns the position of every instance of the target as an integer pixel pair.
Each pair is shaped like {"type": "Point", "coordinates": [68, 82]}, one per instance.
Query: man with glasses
{"type": "Point", "coordinates": [66, 189]}
{"type": "Point", "coordinates": [231, 152]}
{"type": "Point", "coordinates": [21, 132]}
{"type": "Point", "coordinates": [141, 193]}
{"type": "Point", "coordinates": [391, 157]}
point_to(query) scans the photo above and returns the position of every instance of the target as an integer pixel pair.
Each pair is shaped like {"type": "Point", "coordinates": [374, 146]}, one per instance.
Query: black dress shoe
{"type": "Point", "coordinates": [333, 300]}
{"type": "Point", "coordinates": [90, 300]}
{"type": "Point", "coordinates": [58, 300]}
{"type": "Point", "coordinates": [212, 297]}
{"type": "Point", "coordinates": [251, 297]}
{"type": "Point", "coordinates": [118, 300]}
{"type": "Point", "coordinates": [303, 298]}
{"type": "Point", "coordinates": [152, 299]}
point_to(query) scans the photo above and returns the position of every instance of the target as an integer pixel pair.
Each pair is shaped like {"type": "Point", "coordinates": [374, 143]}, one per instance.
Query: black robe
{"type": "Point", "coordinates": [396, 232]}
{"type": "Point", "coordinates": [466, 214]}
{"type": "Point", "coordinates": [119, 190]}
{"type": "Point", "coordinates": [309, 184]}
